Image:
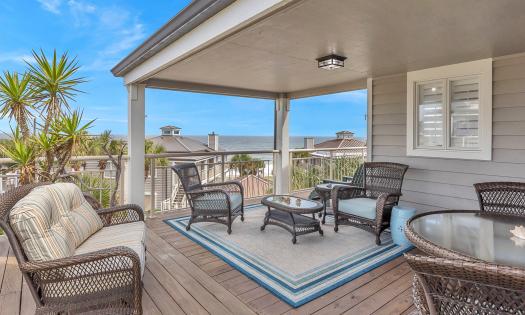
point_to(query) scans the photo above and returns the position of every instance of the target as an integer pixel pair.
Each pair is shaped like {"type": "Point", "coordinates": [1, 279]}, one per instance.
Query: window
{"type": "Point", "coordinates": [449, 111]}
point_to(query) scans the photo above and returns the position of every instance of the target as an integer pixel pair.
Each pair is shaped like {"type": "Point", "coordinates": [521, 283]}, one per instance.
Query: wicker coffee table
{"type": "Point", "coordinates": [290, 213]}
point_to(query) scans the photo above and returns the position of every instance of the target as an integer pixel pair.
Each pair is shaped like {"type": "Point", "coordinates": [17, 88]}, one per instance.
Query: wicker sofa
{"type": "Point", "coordinates": [99, 274]}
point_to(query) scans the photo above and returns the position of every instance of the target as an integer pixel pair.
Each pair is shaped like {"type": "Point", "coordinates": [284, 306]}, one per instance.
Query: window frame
{"type": "Point", "coordinates": [482, 70]}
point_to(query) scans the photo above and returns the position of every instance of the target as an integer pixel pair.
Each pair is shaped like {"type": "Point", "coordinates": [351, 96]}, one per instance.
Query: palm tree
{"type": "Point", "coordinates": [16, 100]}
{"type": "Point", "coordinates": [113, 147]}
{"type": "Point", "coordinates": [23, 156]}
{"type": "Point", "coordinates": [54, 81]}
{"type": "Point", "coordinates": [151, 148]}
{"type": "Point", "coordinates": [72, 136]}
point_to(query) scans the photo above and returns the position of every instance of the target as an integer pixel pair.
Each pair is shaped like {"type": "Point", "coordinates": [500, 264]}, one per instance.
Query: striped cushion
{"type": "Point", "coordinates": [77, 215]}
{"type": "Point", "coordinates": [132, 235]}
{"type": "Point", "coordinates": [52, 220]}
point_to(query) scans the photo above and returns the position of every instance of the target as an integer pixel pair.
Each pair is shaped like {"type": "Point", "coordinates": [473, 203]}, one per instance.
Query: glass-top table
{"type": "Point", "coordinates": [454, 234]}
{"type": "Point", "coordinates": [289, 212]}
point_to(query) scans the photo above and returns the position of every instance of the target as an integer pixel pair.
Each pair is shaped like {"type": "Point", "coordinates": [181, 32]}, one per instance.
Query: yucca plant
{"type": "Point", "coordinates": [23, 156]}
{"type": "Point", "coordinates": [72, 135]}
{"type": "Point", "coordinates": [17, 100]}
{"type": "Point", "coordinates": [47, 144]}
{"type": "Point", "coordinates": [55, 83]}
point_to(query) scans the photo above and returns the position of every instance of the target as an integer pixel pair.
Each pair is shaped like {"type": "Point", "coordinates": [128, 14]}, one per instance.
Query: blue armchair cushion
{"type": "Point", "coordinates": [361, 207]}
{"type": "Point", "coordinates": [236, 199]}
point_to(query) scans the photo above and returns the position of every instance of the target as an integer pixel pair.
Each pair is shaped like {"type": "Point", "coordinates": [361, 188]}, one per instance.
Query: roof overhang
{"type": "Point", "coordinates": [266, 48]}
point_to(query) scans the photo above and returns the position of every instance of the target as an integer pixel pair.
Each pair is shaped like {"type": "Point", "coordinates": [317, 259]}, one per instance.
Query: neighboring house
{"type": "Point", "coordinates": [344, 140]}
{"type": "Point", "coordinates": [166, 183]}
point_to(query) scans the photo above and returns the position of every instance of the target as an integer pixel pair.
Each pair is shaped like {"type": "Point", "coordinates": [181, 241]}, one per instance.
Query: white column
{"type": "Point", "coordinates": [282, 143]}
{"type": "Point", "coordinates": [136, 139]}
{"type": "Point", "coordinates": [369, 116]}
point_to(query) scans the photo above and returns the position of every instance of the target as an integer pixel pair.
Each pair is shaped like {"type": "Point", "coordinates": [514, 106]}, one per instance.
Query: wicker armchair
{"type": "Point", "coordinates": [109, 281]}
{"type": "Point", "coordinates": [505, 198]}
{"type": "Point", "coordinates": [355, 180]}
{"type": "Point", "coordinates": [217, 202]}
{"type": "Point", "coordinates": [444, 286]}
{"type": "Point", "coordinates": [369, 206]}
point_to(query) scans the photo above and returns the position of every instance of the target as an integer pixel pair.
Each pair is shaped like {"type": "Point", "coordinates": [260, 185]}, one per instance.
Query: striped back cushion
{"type": "Point", "coordinates": [52, 220]}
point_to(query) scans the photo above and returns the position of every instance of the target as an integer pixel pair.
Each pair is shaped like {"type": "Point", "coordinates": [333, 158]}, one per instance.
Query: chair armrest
{"type": "Point", "coordinates": [121, 214]}
{"type": "Point", "coordinates": [71, 278]}
{"type": "Point", "coordinates": [385, 199]}
{"type": "Point", "coordinates": [229, 186]}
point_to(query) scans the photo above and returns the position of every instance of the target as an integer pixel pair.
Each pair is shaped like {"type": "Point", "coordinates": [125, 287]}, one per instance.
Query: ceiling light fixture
{"type": "Point", "coordinates": [331, 62]}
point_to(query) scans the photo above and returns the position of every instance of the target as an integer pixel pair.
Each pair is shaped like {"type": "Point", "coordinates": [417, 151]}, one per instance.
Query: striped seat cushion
{"type": "Point", "coordinates": [52, 221]}
{"type": "Point", "coordinates": [132, 235]}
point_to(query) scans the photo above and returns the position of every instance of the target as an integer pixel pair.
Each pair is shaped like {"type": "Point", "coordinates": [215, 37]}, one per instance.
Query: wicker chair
{"type": "Point", "coordinates": [110, 280]}
{"type": "Point", "coordinates": [505, 198]}
{"type": "Point", "coordinates": [369, 206]}
{"type": "Point", "coordinates": [217, 202]}
{"type": "Point", "coordinates": [355, 180]}
{"type": "Point", "coordinates": [444, 286]}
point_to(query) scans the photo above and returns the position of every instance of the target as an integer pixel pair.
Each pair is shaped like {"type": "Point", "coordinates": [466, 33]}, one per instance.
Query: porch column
{"type": "Point", "coordinates": [282, 143]}
{"type": "Point", "coordinates": [136, 139]}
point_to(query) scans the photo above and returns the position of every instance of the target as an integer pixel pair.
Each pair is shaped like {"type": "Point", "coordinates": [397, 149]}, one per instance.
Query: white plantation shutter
{"type": "Point", "coordinates": [449, 111]}
{"type": "Point", "coordinates": [430, 114]}
{"type": "Point", "coordinates": [464, 113]}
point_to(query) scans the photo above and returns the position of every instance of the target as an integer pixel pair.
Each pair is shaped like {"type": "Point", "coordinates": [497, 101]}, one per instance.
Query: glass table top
{"type": "Point", "coordinates": [483, 237]}
{"type": "Point", "coordinates": [293, 202]}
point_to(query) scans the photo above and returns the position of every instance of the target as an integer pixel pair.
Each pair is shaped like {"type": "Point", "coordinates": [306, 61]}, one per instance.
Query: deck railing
{"type": "Point", "coordinates": [163, 191]}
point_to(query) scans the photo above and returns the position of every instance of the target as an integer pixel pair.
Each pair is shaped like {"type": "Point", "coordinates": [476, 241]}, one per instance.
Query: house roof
{"type": "Point", "coordinates": [186, 20]}
{"type": "Point", "coordinates": [170, 127]}
{"type": "Point", "coordinates": [180, 144]}
{"type": "Point", "coordinates": [340, 143]}
{"type": "Point", "coordinates": [268, 48]}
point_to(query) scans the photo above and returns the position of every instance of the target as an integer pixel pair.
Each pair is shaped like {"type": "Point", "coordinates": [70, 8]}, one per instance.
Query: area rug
{"type": "Point", "coordinates": [295, 273]}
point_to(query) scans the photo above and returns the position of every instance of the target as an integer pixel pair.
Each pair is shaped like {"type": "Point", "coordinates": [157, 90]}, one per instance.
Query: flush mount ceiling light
{"type": "Point", "coordinates": [331, 62]}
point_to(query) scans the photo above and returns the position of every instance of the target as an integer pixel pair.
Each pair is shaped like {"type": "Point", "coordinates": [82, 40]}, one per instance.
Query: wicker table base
{"type": "Point", "coordinates": [296, 224]}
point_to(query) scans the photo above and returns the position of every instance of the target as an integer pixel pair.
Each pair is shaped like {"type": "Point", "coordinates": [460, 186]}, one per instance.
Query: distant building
{"type": "Point", "coordinates": [344, 140]}
{"type": "Point", "coordinates": [173, 142]}
{"type": "Point", "coordinates": [166, 182]}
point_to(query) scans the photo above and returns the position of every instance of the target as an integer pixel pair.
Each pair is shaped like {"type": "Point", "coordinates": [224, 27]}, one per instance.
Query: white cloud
{"type": "Point", "coordinates": [81, 12]}
{"type": "Point", "coordinates": [15, 57]}
{"type": "Point", "coordinates": [52, 6]}
{"type": "Point", "coordinates": [128, 37]}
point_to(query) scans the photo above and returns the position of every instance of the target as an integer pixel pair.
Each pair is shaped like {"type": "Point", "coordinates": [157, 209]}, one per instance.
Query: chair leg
{"type": "Point", "coordinates": [189, 224]}
{"type": "Point", "coordinates": [242, 213]}
{"type": "Point", "coordinates": [378, 239]}
{"type": "Point", "coordinates": [229, 225]}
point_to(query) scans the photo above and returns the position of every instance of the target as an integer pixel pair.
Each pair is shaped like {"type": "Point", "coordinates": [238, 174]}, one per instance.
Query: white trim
{"type": "Point", "coordinates": [359, 84]}
{"type": "Point", "coordinates": [206, 88]}
{"type": "Point", "coordinates": [136, 138]}
{"type": "Point", "coordinates": [369, 117]}
{"type": "Point", "coordinates": [481, 68]}
{"type": "Point", "coordinates": [225, 23]}
{"type": "Point", "coordinates": [282, 141]}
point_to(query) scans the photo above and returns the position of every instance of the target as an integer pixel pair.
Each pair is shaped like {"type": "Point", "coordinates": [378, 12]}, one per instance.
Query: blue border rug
{"type": "Point", "coordinates": [296, 273]}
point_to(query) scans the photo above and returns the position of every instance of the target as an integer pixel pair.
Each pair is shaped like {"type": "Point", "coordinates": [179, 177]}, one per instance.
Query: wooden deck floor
{"type": "Point", "coordinates": [184, 278]}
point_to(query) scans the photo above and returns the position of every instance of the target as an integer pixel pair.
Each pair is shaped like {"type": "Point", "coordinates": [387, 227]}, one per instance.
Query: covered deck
{"type": "Point", "coordinates": [182, 277]}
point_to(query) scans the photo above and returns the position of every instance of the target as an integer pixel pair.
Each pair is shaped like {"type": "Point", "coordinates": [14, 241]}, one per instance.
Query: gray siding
{"type": "Point", "coordinates": [433, 183]}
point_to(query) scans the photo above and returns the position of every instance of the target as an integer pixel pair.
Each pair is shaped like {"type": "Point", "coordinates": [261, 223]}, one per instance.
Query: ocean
{"type": "Point", "coordinates": [234, 143]}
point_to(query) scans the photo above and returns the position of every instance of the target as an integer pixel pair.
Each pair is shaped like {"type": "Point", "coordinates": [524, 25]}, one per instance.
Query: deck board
{"type": "Point", "coordinates": [181, 277]}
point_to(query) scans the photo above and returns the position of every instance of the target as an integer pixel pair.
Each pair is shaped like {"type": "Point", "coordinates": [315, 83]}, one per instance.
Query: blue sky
{"type": "Point", "coordinates": [100, 33]}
